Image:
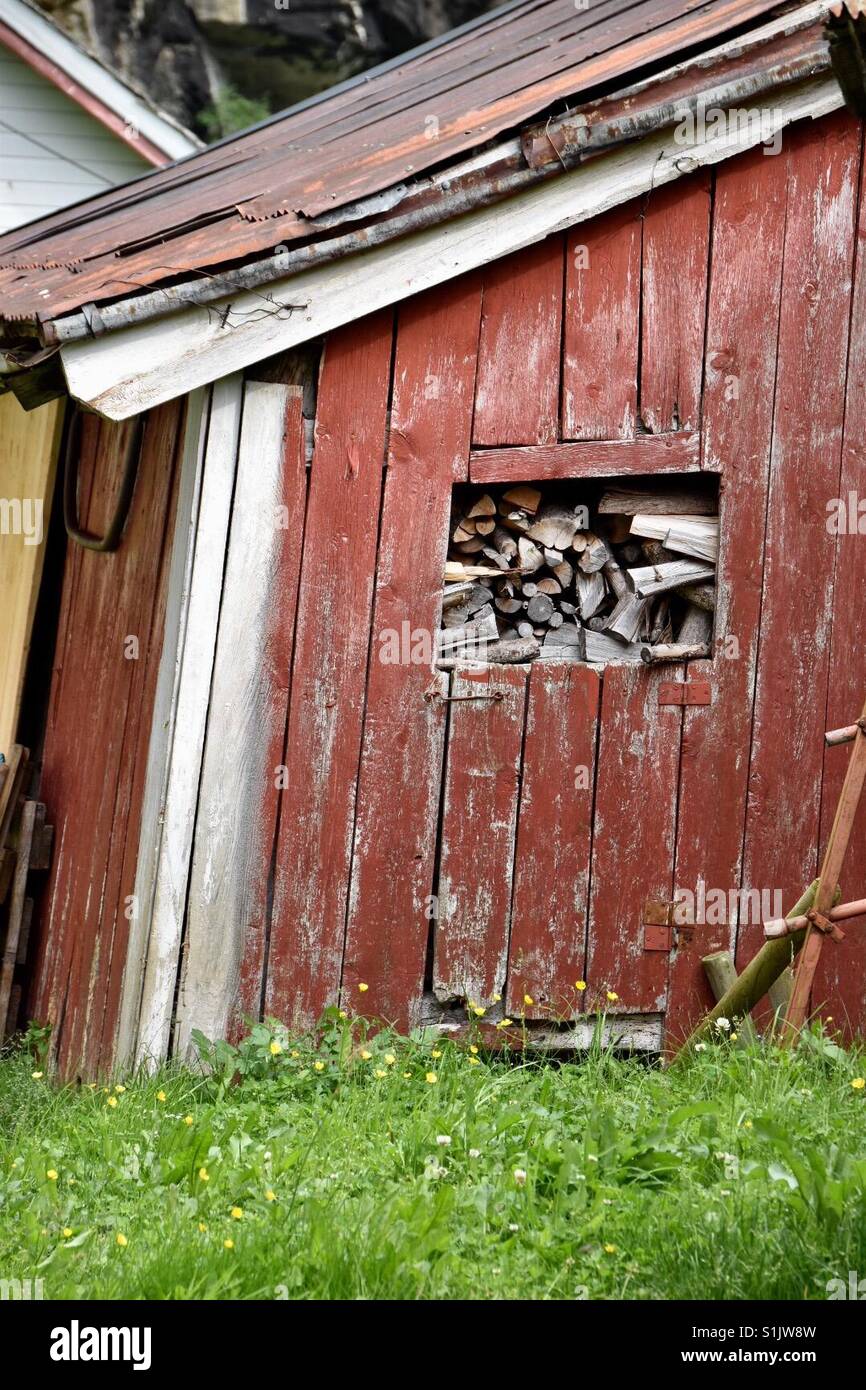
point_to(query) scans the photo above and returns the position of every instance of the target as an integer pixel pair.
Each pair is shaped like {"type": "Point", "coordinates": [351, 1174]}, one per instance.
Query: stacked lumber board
{"type": "Point", "coordinates": [25, 848]}
{"type": "Point", "coordinates": [582, 572]}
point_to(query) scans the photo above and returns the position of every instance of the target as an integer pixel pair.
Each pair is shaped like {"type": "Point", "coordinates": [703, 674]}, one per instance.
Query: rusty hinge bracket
{"type": "Point", "coordinates": [661, 930]}
{"type": "Point", "coordinates": [696, 692]}
{"type": "Point", "coordinates": [657, 937]}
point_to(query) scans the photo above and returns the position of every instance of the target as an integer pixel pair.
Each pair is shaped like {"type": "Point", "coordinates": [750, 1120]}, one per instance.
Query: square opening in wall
{"type": "Point", "coordinates": [600, 570]}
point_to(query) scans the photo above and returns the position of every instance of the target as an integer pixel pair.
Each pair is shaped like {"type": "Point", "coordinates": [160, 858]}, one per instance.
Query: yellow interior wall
{"type": "Point", "coordinates": [29, 442]}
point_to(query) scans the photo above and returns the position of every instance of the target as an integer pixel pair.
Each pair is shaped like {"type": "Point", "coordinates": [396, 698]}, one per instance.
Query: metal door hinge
{"type": "Point", "coordinates": [696, 692]}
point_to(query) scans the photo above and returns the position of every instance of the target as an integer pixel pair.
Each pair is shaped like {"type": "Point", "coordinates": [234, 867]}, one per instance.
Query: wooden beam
{"type": "Point", "coordinates": [677, 452]}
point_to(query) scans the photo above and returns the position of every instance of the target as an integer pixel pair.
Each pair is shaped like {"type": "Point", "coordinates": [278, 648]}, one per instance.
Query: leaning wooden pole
{"type": "Point", "coordinates": [754, 982]}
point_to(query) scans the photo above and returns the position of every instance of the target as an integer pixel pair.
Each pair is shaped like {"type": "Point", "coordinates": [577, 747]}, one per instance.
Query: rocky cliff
{"type": "Point", "coordinates": [219, 64]}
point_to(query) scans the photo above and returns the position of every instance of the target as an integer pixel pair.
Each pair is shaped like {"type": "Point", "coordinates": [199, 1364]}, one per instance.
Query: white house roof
{"type": "Point", "coordinates": [135, 120]}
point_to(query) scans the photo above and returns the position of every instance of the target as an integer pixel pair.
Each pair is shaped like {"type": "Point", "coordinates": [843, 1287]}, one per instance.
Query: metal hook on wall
{"type": "Point", "coordinates": [71, 463]}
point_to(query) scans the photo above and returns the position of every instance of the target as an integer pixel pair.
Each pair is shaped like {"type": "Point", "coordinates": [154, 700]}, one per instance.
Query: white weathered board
{"type": "Point", "coordinates": [185, 756]}
{"type": "Point", "coordinates": [126, 371]}
{"type": "Point", "coordinates": [236, 771]}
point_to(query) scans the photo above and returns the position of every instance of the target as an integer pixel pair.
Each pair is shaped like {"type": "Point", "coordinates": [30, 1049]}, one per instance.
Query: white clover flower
{"type": "Point", "coordinates": [520, 1177]}
{"type": "Point", "coordinates": [723, 1025]}
{"type": "Point", "coordinates": [474, 1153]}
{"type": "Point", "coordinates": [443, 1139]}
{"type": "Point", "coordinates": [700, 1047]}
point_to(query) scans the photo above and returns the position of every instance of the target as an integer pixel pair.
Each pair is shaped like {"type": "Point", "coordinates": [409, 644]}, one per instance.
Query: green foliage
{"type": "Point", "coordinates": [231, 111]}
{"type": "Point", "coordinates": [349, 1164]}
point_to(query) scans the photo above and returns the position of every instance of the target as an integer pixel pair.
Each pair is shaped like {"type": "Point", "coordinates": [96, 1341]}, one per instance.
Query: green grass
{"type": "Point", "coordinates": [739, 1175]}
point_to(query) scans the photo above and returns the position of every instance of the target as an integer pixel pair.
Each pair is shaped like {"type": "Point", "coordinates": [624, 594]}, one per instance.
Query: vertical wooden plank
{"type": "Point", "coordinates": [398, 791]}
{"type": "Point", "coordinates": [329, 676]}
{"type": "Point", "coordinates": [158, 756]}
{"type": "Point", "coordinates": [194, 684]}
{"type": "Point", "coordinates": [547, 952]}
{"type": "Point", "coordinates": [223, 956]}
{"type": "Point", "coordinates": [602, 321]}
{"type": "Point", "coordinates": [100, 697]}
{"type": "Point", "coordinates": [30, 442]}
{"type": "Point", "coordinates": [674, 292]}
{"type": "Point", "coordinates": [742, 335]}
{"type": "Point", "coordinates": [479, 825]}
{"type": "Point", "coordinates": [781, 839]}
{"type": "Point", "coordinates": [633, 834]}
{"type": "Point", "coordinates": [840, 982]}
{"type": "Point", "coordinates": [517, 388]}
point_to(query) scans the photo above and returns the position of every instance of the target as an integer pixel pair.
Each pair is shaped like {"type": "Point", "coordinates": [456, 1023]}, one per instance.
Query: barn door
{"type": "Point", "coordinates": [557, 838]}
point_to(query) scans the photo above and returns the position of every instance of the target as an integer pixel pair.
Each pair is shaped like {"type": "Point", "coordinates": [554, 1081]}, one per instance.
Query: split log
{"type": "Point", "coordinates": [625, 621]}
{"type": "Point", "coordinates": [601, 648]}
{"type": "Point", "coordinates": [450, 639]}
{"type": "Point", "coordinates": [688, 535]}
{"type": "Point", "coordinates": [505, 652]}
{"type": "Point", "coordinates": [485, 526]}
{"type": "Point", "coordinates": [674, 651]}
{"type": "Point", "coordinates": [485, 506]}
{"type": "Point", "coordinates": [615, 577]}
{"type": "Point", "coordinates": [456, 593]}
{"type": "Point", "coordinates": [531, 558]}
{"type": "Point", "coordinates": [549, 585]}
{"type": "Point", "coordinates": [456, 570]}
{"type": "Point", "coordinates": [504, 543]}
{"type": "Point", "coordinates": [490, 554]}
{"type": "Point", "coordinates": [591, 593]}
{"type": "Point", "coordinates": [554, 527]}
{"type": "Point", "coordinates": [595, 554]}
{"type": "Point", "coordinates": [658, 579]}
{"type": "Point", "coordinates": [679, 501]}
{"type": "Point", "coordinates": [701, 595]}
{"type": "Point", "coordinates": [564, 572]}
{"type": "Point", "coordinates": [696, 626]}
{"type": "Point", "coordinates": [527, 498]}
{"type": "Point", "coordinates": [660, 629]}
{"type": "Point", "coordinates": [509, 606]}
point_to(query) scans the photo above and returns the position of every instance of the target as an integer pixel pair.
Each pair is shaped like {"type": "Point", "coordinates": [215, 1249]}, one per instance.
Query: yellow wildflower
{"type": "Point", "coordinates": [112, 1102]}
{"type": "Point", "coordinates": [270, 1195]}
{"type": "Point", "coordinates": [51, 1175]}
{"type": "Point", "coordinates": [343, 1013]}
{"type": "Point", "coordinates": [275, 1049]}
{"type": "Point", "coordinates": [580, 986]}
{"type": "Point", "coordinates": [496, 998]}
{"type": "Point", "coordinates": [187, 1119]}
{"type": "Point", "coordinates": [431, 1078]}
{"type": "Point", "coordinates": [366, 1056]}
{"type": "Point", "coordinates": [36, 1076]}
{"type": "Point", "coordinates": [318, 1066]}
{"type": "Point", "coordinates": [478, 1011]}
{"type": "Point", "coordinates": [121, 1239]}
{"type": "Point", "coordinates": [204, 1174]}
{"type": "Point", "coordinates": [528, 1000]}
{"type": "Point", "coordinates": [120, 1090]}
{"type": "Point", "coordinates": [228, 1245]}
{"type": "Point", "coordinates": [858, 1083]}
{"type": "Point", "coordinates": [294, 1052]}
{"type": "Point", "coordinates": [380, 1072]}
{"type": "Point", "coordinates": [160, 1095]}
{"type": "Point", "coordinates": [202, 1227]}
{"type": "Point", "coordinates": [407, 1075]}
{"type": "Point", "coordinates": [612, 996]}
{"type": "Point", "coordinates": [237, 1213]}
{"type": "Point", "coordinates": [473, 1049]}
{"type": "Point", "coordinates": [390, 1059]}
{"type": "Point", "coordinates": [67, 1232]}
{"type": "Point", "coordinates": [436, 1052]}
{"type": "Point", "coordinates": [362, 989]}
{"type": "Point", "coordinates": [474, 1061]}
{"type": "Point", "coordinates": [610, 1249]}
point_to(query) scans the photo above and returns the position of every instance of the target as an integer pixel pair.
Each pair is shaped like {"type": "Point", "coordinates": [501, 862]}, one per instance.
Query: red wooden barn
{"type": "Point", "coordinates": [565, 258]}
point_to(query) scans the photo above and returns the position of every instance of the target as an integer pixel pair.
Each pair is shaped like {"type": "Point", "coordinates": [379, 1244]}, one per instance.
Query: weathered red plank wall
{"type": "Point", "coordinates": [476, 849]}
{"type": "Point", "coordinates": [95, 755]}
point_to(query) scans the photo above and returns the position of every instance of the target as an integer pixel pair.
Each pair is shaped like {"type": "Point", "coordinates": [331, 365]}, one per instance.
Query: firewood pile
{"type": "Point", "coordinates": [580, 571]}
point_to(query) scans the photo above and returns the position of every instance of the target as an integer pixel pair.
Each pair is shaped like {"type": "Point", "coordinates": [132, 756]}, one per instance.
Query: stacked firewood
{"type": "Point", "coordinates": [626, 574]}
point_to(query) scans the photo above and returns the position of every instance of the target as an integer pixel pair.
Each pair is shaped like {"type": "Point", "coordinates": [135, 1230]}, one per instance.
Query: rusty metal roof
{"type": "Point", "coordinates": [281, 182]}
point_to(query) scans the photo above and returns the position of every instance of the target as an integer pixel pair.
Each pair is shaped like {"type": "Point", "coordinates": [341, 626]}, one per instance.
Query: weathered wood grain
{"type": "Point", "coordinates": [547, 952]}
{"type": "Point", "coordinates": [327, 696]}
{"type": "Point", "coordinates": [399, 785]}
{"type": "Point", "coordinates": [673, 296]}
{"type": "Point", "coordinates": [678, 452]}
{"type": "Point", "coordinates": [166, 911]}
{"type": "Point", "coordinates": [601, 329]}
{"type": "Point", "coordinates": [479, 825]}
{"type": "Point", "coordinates": [742, 334]}
{"type": "Point", "coordinates": [840, 982]}
{"type": "Point", "coordinates": [224, 949]}
{"type": "Point", "coordinates": [517, 386]}
{"type": "Point", "coordinates": [633, 835]}
{"type": "Point", "coordinates": [781, 837]}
